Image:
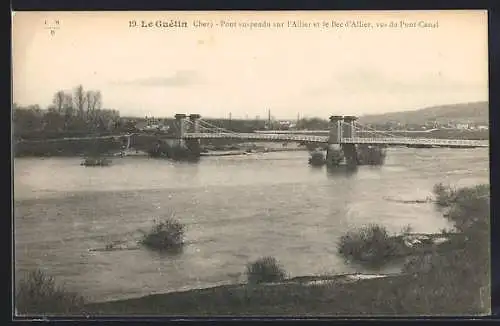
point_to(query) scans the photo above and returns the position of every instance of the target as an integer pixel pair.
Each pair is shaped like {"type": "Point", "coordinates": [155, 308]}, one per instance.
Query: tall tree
{"type": "Point", "coordinates": [58, 101]}
{"type": "Point", "coordinates": [94, 103]}
{"type": "Point", "coordinates": [79, 101]}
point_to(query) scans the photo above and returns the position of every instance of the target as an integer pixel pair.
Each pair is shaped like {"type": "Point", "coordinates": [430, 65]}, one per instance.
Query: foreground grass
{"type": "Point", "coordinates": [448, 283]}
{"type": "Point", "coordinates": [37, 293]}
{"type": "Point", "coordinates": [265, 270]}
{"type": "Point", "coordinates": [395, 295]}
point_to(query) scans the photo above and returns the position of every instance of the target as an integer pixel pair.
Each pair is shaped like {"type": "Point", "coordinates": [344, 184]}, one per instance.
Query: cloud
{"type": "Point", "coordinates": [180, 78]}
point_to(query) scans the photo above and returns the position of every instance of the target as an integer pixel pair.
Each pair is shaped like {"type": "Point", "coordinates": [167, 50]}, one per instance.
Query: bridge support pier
{"type": "Point", "coordinates": [349, 150]}
{"type": "Point", "coordinates": [350, 154]}
{"type": "Point", "coordinates": [180, 148]}
{"type": "Point", "coordinates": [333, 153]}
{"type": "Point", "coordinates": [180, 128]}
{"type": "Point", "coordinates": [193, 145]}
{"type": "Point", "coordinates": [337, 150]}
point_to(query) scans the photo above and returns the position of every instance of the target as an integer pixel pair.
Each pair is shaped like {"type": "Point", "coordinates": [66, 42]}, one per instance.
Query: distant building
{"type": "Point", "coordinates": [462, 126]}
{"type": "Point", "coordinates": [284, 125]}
{"type": "Point", "coordinates": [151, 124]}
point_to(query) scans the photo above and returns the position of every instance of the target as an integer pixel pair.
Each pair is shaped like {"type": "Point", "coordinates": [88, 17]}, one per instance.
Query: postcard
{"type": "Point", "coordinates": [250, 163]}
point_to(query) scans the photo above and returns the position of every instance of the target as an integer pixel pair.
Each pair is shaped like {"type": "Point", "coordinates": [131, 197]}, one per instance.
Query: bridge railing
{"type": "Point", "coordinates": [257, 136]}
{"type": "Point", "coordinates": [55, 140]}
{"type": "Point", "coordinates": [324, 139]}
{"type": "Point", "coordinates": [414, 141]}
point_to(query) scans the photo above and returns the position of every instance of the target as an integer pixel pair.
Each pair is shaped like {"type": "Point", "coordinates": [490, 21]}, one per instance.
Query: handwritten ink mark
{"type": "Point", "coordinates": [52, 26]}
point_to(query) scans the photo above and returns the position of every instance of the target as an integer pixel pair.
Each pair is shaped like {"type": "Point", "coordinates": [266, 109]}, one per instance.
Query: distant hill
{"type": "Point", "coordinates": [475, 112]}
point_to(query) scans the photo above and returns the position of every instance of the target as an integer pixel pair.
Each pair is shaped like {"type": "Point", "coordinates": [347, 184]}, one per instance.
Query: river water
{"type": "Point", "coordinates": [235, 208]}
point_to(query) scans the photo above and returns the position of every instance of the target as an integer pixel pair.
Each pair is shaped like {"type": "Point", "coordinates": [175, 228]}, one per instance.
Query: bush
{"type": "Point", "coordinates": [445, 195]}
{"type": "Point", "coordinates": [370, 155]}
{"type": "Point", "coordinates": [470, 210]}
{"type": "Point", "coordinates": [369, 244]}
{"type": "Point", "coordinates": [317, 159]}
{"type": "Point", "coordinates": [265, 270]}
{"type": "Point", "coordinates": [463, 270]}
{"type": "Point", "coordinates": [37, 293]}
{"type": "Point", "coordinates": [165, 235]}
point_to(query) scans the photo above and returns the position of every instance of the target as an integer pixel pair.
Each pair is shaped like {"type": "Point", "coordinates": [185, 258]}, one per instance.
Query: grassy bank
{"type": "Point", "coordinates": [392, 295]}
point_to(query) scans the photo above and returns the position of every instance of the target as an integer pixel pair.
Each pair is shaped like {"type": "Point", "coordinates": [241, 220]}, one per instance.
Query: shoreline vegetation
{"type": "Point", "coordinates": [148, 144]}
{"type": "Point", "coordinates": [446, 273]}
{"type": "Point", "coordinates": [80, 114]}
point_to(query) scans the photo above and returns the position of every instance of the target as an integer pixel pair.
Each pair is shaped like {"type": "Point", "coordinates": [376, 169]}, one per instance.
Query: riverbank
{"type": "Point", "coordinates": [345, 294]}
{"type": "Point", "coordinates": [249, 152]}
{"type": "Point", "coordinates": [145, 143]}
{"type": "Point", "coordinates": [228, 150]}
{"type": "Point", "coordinates": [297, 296]}
{"type": "Point", "coordinates": [341, 295]}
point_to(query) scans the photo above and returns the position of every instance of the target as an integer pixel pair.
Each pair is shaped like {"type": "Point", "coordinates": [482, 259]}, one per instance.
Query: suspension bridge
{"type": "Point", "coordinates": [342, 130]}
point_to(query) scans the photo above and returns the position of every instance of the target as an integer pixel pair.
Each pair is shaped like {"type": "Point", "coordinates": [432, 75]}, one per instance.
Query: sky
{"type": "Point", "coordinates": [218, 71]}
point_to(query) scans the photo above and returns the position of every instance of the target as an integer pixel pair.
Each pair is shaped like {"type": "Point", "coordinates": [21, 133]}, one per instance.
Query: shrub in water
{"type": "Point", "coordinates": [37, 293]}
{"type": "Point", "coordinates": [165, 235]}
{"type": "Point", "coordinates": [265, 270]}
{"type": "Point", "coordinates": [370, 155]}
{"type": "Point", "coordinates": [371, 244]}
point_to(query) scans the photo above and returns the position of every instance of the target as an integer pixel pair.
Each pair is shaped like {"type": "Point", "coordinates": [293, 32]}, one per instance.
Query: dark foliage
{"type": "Point", "coordinates": [165, 235]}
{"type": "Point", "coordinates": [265, 270]}
{"type": "Point", "coordinates": [38, 294]}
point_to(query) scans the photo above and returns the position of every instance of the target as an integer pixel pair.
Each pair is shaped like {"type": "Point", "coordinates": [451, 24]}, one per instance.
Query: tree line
{"type": "Point", "coordinates": [81, 112]}
{"type": "Point", "coordinates": [78, 112]}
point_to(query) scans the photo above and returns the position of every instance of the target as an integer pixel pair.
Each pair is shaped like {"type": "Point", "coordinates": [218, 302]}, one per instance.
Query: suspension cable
{"type": "Point", "coordinates": [223, 130]}
{"type": "Point", "coordinates": [362, 127]}
{"type": "Point", "coordinates": [202, 127]}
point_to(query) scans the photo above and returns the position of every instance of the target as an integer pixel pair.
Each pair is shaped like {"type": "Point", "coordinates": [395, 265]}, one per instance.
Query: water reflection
{"type": "Point", "coordinates": [173, 252]}
{"type": "Point", "coordinates": [346, 170]}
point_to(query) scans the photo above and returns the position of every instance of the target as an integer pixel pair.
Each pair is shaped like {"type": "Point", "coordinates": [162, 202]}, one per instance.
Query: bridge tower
{"type": "Point", "coordinates": [335, 129]}
{"type": "Point", "coordinates": [195, 123]}
{"type": "Point", "coordinates": [349, 131]}
{"type": "Point", "coordinates": [180, 125]}
{"type": "Point", "coordinates": [335, 136]}
{"type": "Point", "coordinates": [193, 145]}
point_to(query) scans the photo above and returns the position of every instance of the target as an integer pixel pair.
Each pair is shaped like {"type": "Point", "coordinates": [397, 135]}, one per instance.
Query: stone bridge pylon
{"type": "Point", "coordinates": [341, 127]}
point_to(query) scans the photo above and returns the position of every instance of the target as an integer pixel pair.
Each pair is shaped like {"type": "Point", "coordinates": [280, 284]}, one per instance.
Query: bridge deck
{"type": "Point", "coordinates": [324, 139]}
{"type": "Point", "coordinates": [416, 141]}
{"type": "Point", "coordinates": [258, 136]}
{"type": "Point", "coordinates": [303, 138]}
